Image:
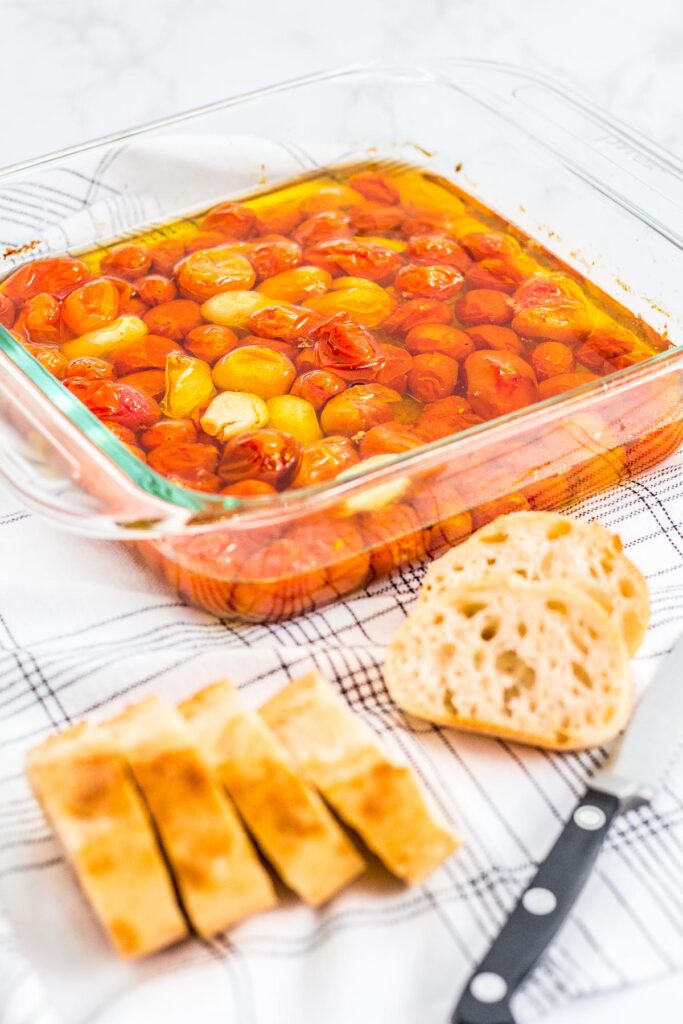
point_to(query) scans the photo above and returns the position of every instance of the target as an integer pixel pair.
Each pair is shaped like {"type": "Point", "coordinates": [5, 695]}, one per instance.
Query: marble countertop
{"type": "Point", "coordinates": [74, 69]}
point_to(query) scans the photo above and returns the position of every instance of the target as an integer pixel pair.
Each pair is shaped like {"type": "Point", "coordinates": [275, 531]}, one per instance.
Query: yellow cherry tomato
{"type": "Point", "coordinates": [104, 340]}
{"type": "Point", "coordinates": [256, 369]}
{"type": "Point", "coordinates": [294, 416]}
{"type": "Point", "coordinates": [368, 303]}
{"type": "Point", "coordinates": [189, 386]}
{"type": "Point", "coordinates": [297, 284]}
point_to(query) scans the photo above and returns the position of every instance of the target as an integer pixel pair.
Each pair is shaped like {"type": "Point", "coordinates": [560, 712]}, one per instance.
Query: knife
{"type": "Point", "coordinates": [628, 779]}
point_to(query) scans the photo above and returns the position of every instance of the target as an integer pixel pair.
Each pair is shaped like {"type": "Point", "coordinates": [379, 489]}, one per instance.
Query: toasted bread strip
{"type": "Point", "coordinates": [549, 546]}
{"type": "Point", "coordinates": [219, 876]}
{"type": "Point", "coordinates": [532, 661]}
{"type": "Point", "coordinates": [341, 756]}
{"type": "Point", "coordinates": [286, 816]}
{"type": "Point", "coordinates": [88, 794]}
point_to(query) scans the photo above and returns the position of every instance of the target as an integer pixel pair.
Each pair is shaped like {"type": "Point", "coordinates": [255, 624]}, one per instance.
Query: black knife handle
{"type": "Point", "coordinates": [538, 914]}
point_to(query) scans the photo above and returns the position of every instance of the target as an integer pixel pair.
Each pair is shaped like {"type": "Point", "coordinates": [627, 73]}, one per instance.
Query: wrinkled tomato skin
{"type": "Point", "coordinates": [265, 454]}
{"type": "Point", "coordinates": [90, 367]}
{"type": "Point", "coordinates": [169, 432]}
{"type": "Point", "coordinates": [439, 249]}
{"type": "Point", "coordinates": [6, 311]}
{"type": "Point", "coordinates": [499, 383]}
{"type": "Point", "coordinates": [120, 403]}
{"type": "Point", "coordinates": [428, 281]}
{"type": "Point", "coordinates": [232, 220]}
{"type": "Point", "coordinates": [484, 306]}
{"type": "Point", "coordinates": [413, 312]}
{"type": "Point", "coordinates": [317, 387]}
{"type": "Point", "coordinates": [432, 376]}
{"type": "Point", "coordinates": [324, 460]}
{"type": "Point", "coordinates": [347, 349]}
{"type": "Point", "coordinates": [57, 276]}
{"type": "Point", "coordinates": [93, 305]}
{"type": "Point", "coordinates": [127, 261]}
{"type": "Point", "coordinates": [40, 318]}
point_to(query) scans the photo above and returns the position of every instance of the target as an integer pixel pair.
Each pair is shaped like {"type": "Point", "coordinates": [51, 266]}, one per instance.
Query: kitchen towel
{"type": "Point", "coordinates": [84, 629]}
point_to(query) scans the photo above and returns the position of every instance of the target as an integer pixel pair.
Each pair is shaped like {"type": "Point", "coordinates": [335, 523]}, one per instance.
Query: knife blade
{"type": "Point", "coordinates": [628, 779]}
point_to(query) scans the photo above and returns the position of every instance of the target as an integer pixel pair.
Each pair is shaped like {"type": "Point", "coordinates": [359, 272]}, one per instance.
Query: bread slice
{"type": "Point", "coordinates": [88, 795]}
{"type": "Point", "coordinates": [340, 755]}
{"type": "Point", "coordinates": [287, 817]}
{"type": "Point", "coordinates": [218, 873]}
{"type": "Point", "coordinates": [545, 545]}
{"type": "Point", "coordinates": [532, 661]}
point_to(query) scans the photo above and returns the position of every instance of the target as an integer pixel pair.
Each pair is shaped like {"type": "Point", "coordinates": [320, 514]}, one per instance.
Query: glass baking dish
{"type": "Point", "coordinates": [599, 197]}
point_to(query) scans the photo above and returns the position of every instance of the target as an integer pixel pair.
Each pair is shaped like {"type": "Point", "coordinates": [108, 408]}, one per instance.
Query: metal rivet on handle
{"type": "Point", "coordinates": [539, 901]}
{"type": "Point", "coordinates": [589, 817]}
{"type": "Point", "coordinates": [488, 987]}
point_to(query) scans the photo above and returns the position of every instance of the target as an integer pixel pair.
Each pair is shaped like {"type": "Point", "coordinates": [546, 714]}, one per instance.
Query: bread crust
{"type": "Point", "coordinates": [547, 545]}
{"type": "Point", "coordinates": [90, 798]}
{"type": "Point", "coordinates": [287, 817]}
{"type": "Point", "coordinates": [377, 797]}
{"type": "Point", "coordinates": [219, 876]}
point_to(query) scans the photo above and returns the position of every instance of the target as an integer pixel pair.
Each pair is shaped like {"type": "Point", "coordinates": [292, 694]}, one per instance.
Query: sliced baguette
{"type": "Point", "coordinates": [532, 661]}
{"type": "Point", "coordinates": [219, 876]}
{"type": "Point", "coordinates": [545, 545]}
{"type": "Point", "coordinates": [340, 755]}
{"type": "Point", "coordinates": [88, 794]}
{"type": "Point", "coordinates": [287, 817]}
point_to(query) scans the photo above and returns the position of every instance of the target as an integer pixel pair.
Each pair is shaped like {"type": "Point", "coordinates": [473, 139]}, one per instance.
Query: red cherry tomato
{"type": "Point", "coordinates": [449, 341]}
{"type": "Point", "coordinates": [147, 353]}
{"type": "Point", "coordinates": [166, 255]}
{"type": "Point", "coordinates": [57, 276]}
{"type": "Point", "coordinates": [490, 336]}
{"type": "Point", "coordinates": [499, 383]}
{"type": "Point", "coordinates": [324, 460]}
{"type": "Point", "coordinates": [40, 319]}
{"type": "Point", "coordinates": [110, 400]}
{"type": "Point", "coordinates": [127, 261]}
{"type": "Point", "coordinates": [417, 311]}
{"type": "Point", "coordinates": [173, 319]}
{"type": "Point", "coordinates": [266, 454]}
{"type": "Point", "coordinates": [169, 432]}
{"type": "Point", "coordinates": [321, 226]}
{"type": "Point", "coordinates": [434, 248]}
{"type": "Point", "coordinates": [210, 342]}
{"type": "Point", "coordinates": [397, 364]}
{"type": "Point", "coordinates": [375, 218]}
{"type": "Point", "coordinates": [375, 187]}
{"type": "Point", "coordinates": [483, 306]}
{"type": "Point", "coordinates": [389, 439]}
{"type": "Point", "coordinates": [233, 220]}
{"type": "Point", "coordinates": [6, 310]}
{"type": "Point", "coordinates": [273, 254]}
{"type": "Point", "coordinates": [186, 461]}
{"type": "Point", "coordinates": [317, 387]}
{"type": "Point", "coordinates": [494, 273]}
{"type": "Point", "coordinates": [445, 417]}
{"type": "Point", "coordinates": [428, 281]}
{"type": "Point", "coordinates": [89, 367]}
{"type": "Point", "coordinates": [154, 289]}
{"type": "Point", "coordinates": [355, 257]}
{"type": "Point", "coordinates": [346, 348]}
{"type": "Point", "coordinates": [551, 358]}
{"type": "Point", "coordinates": [291, 324]}
{"type": "Point", "coordinates": [432, 376]}
{"type": "Point", "coordinates": [91, 306]}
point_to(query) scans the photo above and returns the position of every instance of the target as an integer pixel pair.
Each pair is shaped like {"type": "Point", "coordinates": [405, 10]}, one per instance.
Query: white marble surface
{"type": "Point", "coordinates": [75, 69]}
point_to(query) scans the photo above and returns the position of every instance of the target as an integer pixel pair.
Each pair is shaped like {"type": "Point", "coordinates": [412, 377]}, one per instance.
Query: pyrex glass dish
{"type": "Point", "coordinates": [596, 195]}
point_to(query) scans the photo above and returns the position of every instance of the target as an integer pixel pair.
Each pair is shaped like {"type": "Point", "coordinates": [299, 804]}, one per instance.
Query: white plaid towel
{"type": "Point", "coordinates": [84, 629]}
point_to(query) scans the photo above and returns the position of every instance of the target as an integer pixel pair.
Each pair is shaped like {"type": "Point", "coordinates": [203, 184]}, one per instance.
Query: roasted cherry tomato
{"type": "Point", "coordinates": [328, 224]}
{"type": "Point", "coordinates": [417, 311]}
{"type": "Point", "coordinates": [375, 187]}
{"type": "Point", "coordinates": [173, 319]}
{"type": "Point", "coordinates": [432, 376]}
{"type": "Point", "coordinates": [428, 281]}
{"type": "Point", "coordinates": [146, 353]}
{"type": "Point", "coordinates": [154, 289]}
{"type": "Point", "coordinates": [483, 306]}
{"type": "Point", "coordinates": [445, 417]}
{"type": "Point", "coordinates": [499, 383]}
{"type": "Point", "coordinates": [233, 220]}
{"type": "Point", "coordinates": [449, 341]}
{"type": "Point", "coordinates": [210, 342]}
{"type": "Point", "coordinates": [358, 408]}
{"type": "Point", "coordinates": [274, 254]}
{"type": "Point", "coordinates": [209, 271]}
{"type": "Point", "coordinates": [355, 257]}
{"type": "Point", "coordinates": [325, 460]}
{"type": "Point", "coordinates": [389, 439]}
{"type": "Point", "coordinates": [266, 454]}
{"type": "Point", "coordinates": [490, 336]}
{"type": "Point", "coordinates": [91, 306]}
{"type": "Point", "coordinates": [110, 400]}
{"type": "Point", "coordinates": [89, 367]}
{"type": "Point", "coordinates": [40, 318]}
{"type": "Point", "coordinates": [551, 358]}
{"type": "Point", "coordinates": [397, 365]}
{"type": "Point", "coordinates": [435, 248]}
{"type": "Point", "coordinates": [347, 349]}
{"type": "Point", "coordinates": [169, 432]}
{"type": "Point", "coordinates": [127, 261]}
{"type": "Point", "coordinates": [318, 386]}
{"type": "Point", "coordinates": [57, 276]}
{"type": "Point", "coordinates": [6, 310]}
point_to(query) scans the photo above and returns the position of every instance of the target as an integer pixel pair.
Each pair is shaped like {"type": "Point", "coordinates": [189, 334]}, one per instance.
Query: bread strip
{"type": "Point", "coordinates": [217, 871]}
{"type": "Point", "coordinates": [340, 755]}
{"type": "Point", "coordinates": [87, 792]}
{"type": "Point", "coordinates": [286, 816]}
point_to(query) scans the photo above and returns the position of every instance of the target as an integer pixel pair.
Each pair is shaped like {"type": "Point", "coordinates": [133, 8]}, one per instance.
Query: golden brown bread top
{"type": "Point", "coordinates": [219, 876]}
{"type": "Point", "coordinates": [89, 796]}
{"type": "Point", "coordinates": [287, 817]}
{"type": "Point", "coordinates": [377, 797]}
